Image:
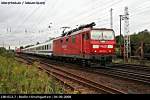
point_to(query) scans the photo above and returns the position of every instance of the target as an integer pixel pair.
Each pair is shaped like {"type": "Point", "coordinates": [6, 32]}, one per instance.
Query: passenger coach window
{"type": "Point", "coordinates": [47, 47]}
{"type": "Point", "coordinates": [50, 46]}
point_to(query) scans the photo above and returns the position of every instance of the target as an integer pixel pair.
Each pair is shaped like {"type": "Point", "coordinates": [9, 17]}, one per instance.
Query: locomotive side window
{"type": "Point", "coordinates": [73, 39]}
{"type": "Point", "coordinates": [67, 40]}
{"type": "Point", "coordinates": [83, 36]}
{"type": "Point", "coordinates": [87, 36]}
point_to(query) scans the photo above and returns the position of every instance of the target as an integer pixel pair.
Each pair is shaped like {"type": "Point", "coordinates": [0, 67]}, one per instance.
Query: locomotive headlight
{"type": "Point", "coordinates": [110, 46]}
{"type": "Point", "coordinates": [95, 46]}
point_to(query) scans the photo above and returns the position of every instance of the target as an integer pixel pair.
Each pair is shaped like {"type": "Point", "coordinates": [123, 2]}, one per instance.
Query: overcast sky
{"type": "Point", "coordinates": [23, 24]}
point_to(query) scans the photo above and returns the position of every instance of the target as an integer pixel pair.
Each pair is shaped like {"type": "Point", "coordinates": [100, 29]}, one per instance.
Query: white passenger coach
{"type": "Point", "coordinates": [40, 49]}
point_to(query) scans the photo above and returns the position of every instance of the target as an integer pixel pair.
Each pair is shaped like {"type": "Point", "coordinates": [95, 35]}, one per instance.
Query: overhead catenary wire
{"type": "Point", "coordinates": [91, 12]}
{"type": "Point", "coordinates": [56, 7]}
{"type": "Point", "coordinates": [136, 12]}
{"type": "Point", "coordinates": [27, 17]}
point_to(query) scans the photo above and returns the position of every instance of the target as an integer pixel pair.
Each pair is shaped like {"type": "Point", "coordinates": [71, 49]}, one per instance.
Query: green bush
{"type": "Point", "coordinates": [6, 53]}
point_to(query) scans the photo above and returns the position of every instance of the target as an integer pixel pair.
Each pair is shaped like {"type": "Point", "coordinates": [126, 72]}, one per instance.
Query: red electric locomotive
{"type": "Point", "coordinates": [86, 44]}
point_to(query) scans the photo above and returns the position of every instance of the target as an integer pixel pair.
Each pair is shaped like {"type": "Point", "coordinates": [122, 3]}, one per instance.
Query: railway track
{"type": "Point", "coordinates": [140, 73]}
{"type": "Point", "coordinates": [60, 74]}
{"type": "Point", "coordinates": [132, 66]}
{"type": "Point", "coordinates": [115, 71]}
{"type": "Point", "coordinates": [30, 61]}
{"type": "Point", "coordinates": [119, 73]}
{"type": "Point", "coordinates": [91, 84]}
{"type": "Point", "coordinates": [125, 74]}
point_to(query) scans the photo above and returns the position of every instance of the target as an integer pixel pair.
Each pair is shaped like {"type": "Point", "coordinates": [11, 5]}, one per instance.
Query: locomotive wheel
{"type": "Point", "coordinates": [86, 63]}
{"type": "Point", "coordinates": [83, 63]}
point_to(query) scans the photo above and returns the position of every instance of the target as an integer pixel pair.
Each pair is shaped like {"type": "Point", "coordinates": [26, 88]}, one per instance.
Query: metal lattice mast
{"type": "Point", "coordinates": [127, 48]}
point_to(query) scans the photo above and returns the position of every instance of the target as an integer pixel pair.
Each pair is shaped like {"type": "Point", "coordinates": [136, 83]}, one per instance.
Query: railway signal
{"type": "Point", "coordinates": [127, 48]}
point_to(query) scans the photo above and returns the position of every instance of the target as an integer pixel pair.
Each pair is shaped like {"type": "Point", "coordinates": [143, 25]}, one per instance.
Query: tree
{"type": "Point", "coordinates": [2, 50]}
{"type": "Point", "coordinates": [119, 40]}
{"type": "Point", "coordinates": [136, 39]}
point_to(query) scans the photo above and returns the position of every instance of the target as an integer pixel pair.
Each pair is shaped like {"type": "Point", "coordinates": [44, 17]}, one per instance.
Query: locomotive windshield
{"type": "Point", "coordinates": [102, 35]}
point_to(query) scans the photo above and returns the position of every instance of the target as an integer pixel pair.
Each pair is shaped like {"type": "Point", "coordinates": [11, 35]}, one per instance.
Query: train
{"type": "Point", "coordinates": [84, 44]}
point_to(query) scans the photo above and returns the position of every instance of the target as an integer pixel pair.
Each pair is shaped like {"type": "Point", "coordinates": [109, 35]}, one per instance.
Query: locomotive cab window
{"type": "Point", "coordinates": [102, 35]}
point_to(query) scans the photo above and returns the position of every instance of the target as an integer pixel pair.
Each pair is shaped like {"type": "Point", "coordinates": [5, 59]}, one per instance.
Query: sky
{"type": "Point", "coordinates": [23, 24]}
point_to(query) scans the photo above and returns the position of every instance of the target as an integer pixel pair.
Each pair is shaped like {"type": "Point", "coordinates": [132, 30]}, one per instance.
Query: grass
{"type": "Point", "coordinates": [17, 78]}
{"type": "Point", "coordinates": [139, 62]}
{"type": "Point", "coordinates": [132, 61]}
